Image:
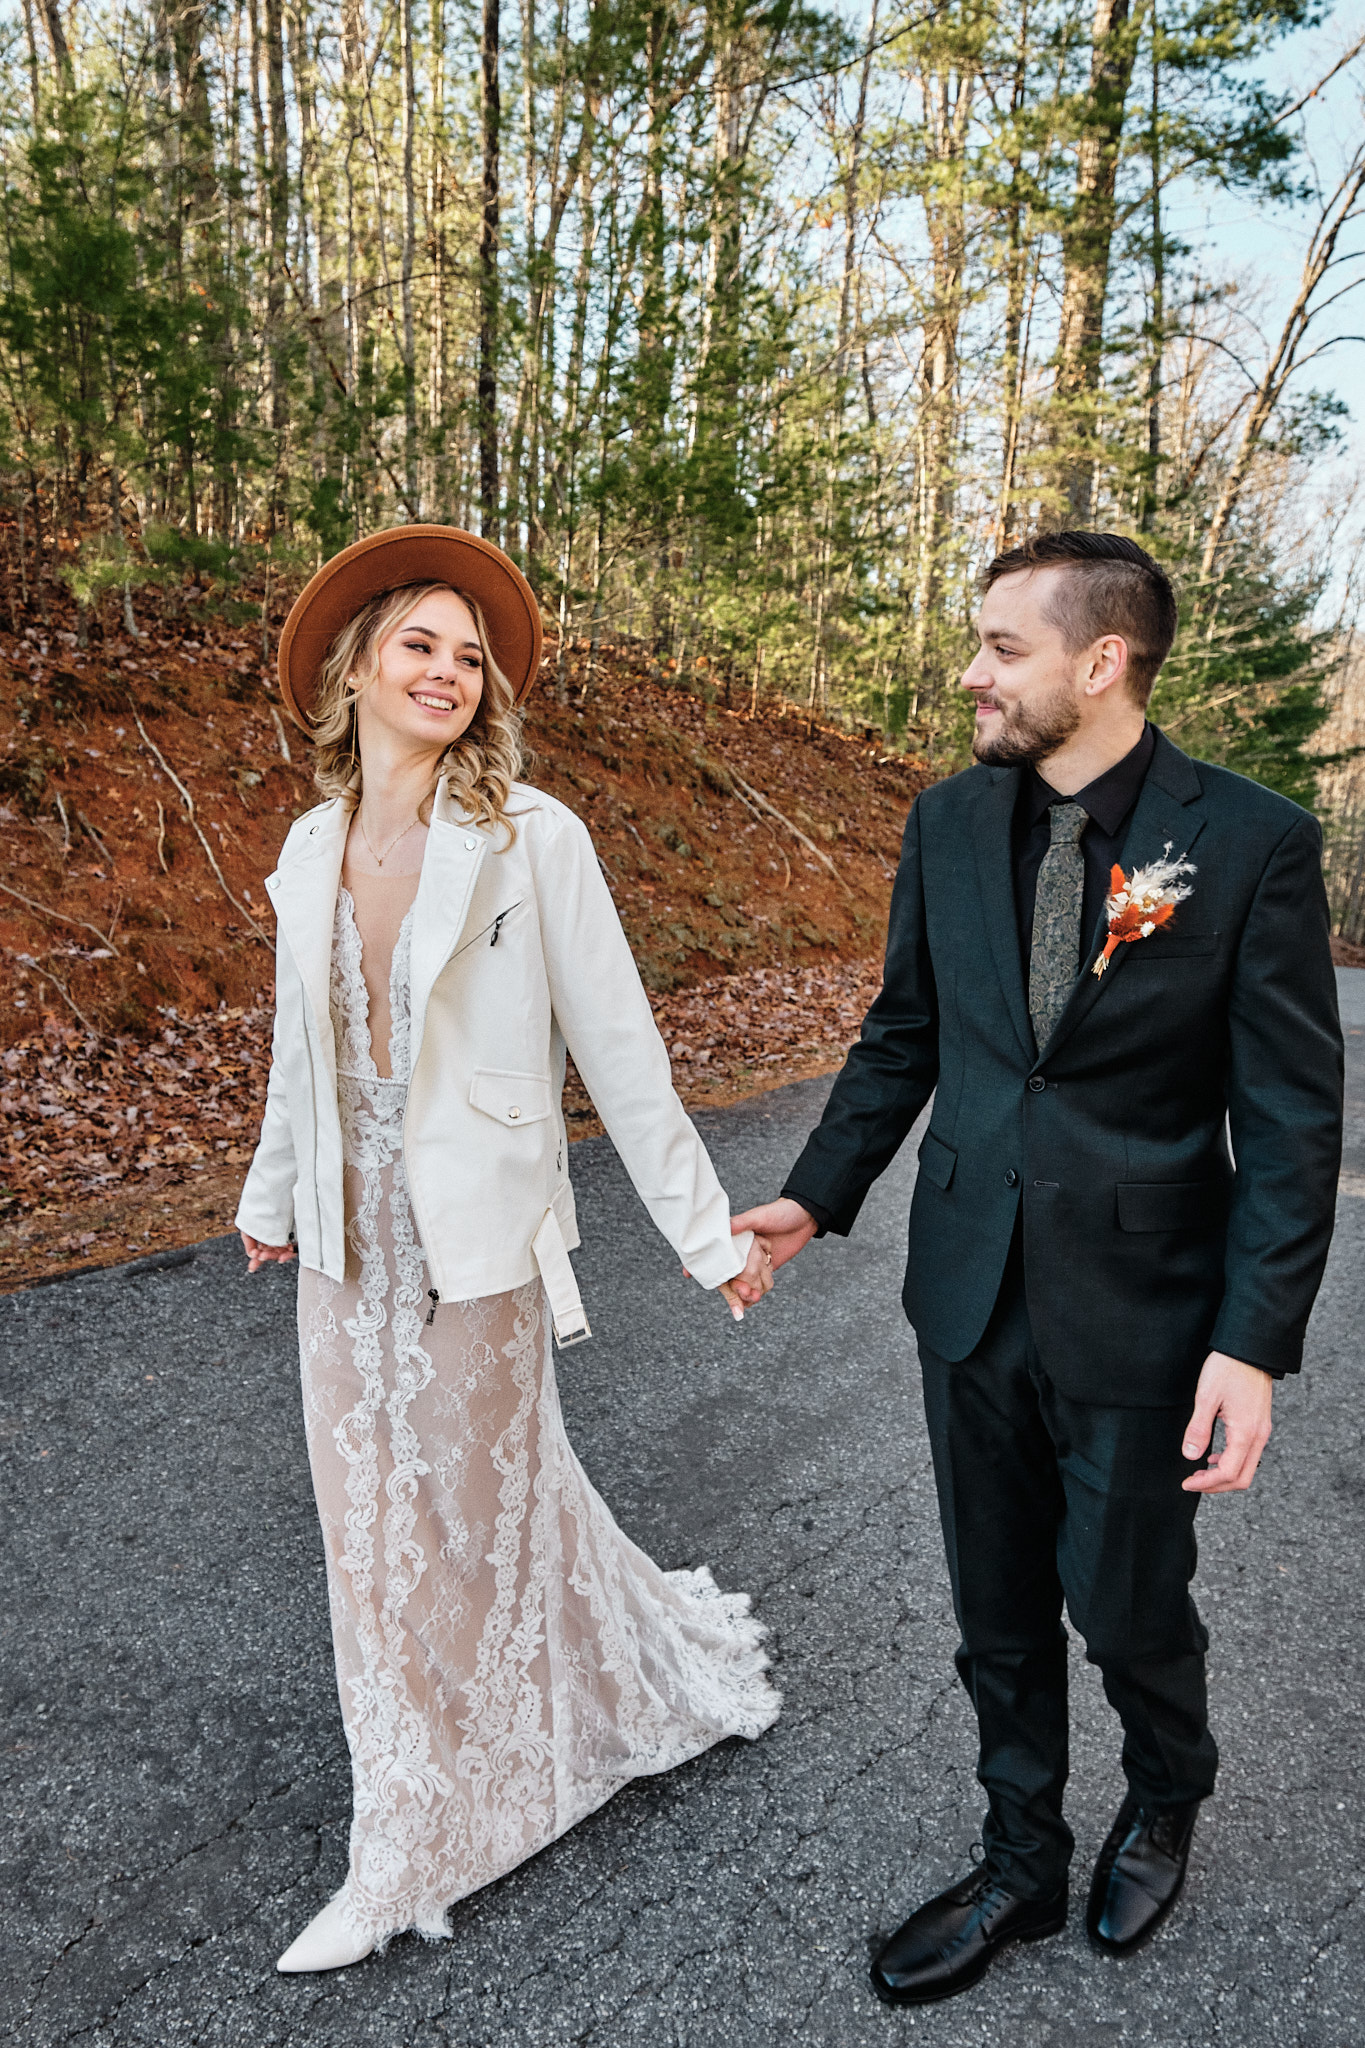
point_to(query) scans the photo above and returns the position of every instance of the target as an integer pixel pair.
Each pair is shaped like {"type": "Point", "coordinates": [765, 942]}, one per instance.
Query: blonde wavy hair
{"type": "Point", "coordinates": [482, 764]}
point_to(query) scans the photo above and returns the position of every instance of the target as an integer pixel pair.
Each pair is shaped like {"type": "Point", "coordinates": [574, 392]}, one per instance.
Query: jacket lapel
{"type": "Point", "coordinates": [995, 873]}
{"type": "Point", "coordinates": [303, 890]}
{"type": "Point", "coordinates": [1170, 813]}
{"type": "Point", "coordinates": [455, 853]}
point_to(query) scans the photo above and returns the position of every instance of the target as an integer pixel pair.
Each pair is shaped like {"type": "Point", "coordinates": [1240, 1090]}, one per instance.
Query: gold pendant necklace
{"type": "Point", "coordinates": [380, 858]}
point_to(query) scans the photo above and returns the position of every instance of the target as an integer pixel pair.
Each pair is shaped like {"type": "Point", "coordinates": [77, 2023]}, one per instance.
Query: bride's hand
{"type": "Point", "coordinates": [258, 1254]}
{"type": "Point", "coordinates": [749, 1287]}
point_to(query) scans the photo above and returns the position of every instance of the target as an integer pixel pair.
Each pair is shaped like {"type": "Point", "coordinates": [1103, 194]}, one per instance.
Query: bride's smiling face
{"type": "Point", "coordinates": [430, 678]}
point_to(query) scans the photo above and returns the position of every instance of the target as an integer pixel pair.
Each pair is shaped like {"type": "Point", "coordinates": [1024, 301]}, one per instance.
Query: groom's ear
{"type": "Point", "coordinates": [1107, 660]}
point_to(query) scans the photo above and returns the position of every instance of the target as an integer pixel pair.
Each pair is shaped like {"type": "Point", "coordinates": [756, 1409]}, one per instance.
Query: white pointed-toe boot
{"type": "Point", "coordinates": [328, 1942]}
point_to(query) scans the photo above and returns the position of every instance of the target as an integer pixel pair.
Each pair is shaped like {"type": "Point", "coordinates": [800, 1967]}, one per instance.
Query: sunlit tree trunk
{"type": "Point", "coordinates": [278, 195]}
{"type": "Point", "coordinates": [491, 122]}
{"type": "Point", "coordinates": [949, 95]}
{"type": "Point", "coordinates": [436, 241]}
{"type": "Point", "coordinates": [1087, 239]}
{"type": "Point", "coordinates": [1151, 491]}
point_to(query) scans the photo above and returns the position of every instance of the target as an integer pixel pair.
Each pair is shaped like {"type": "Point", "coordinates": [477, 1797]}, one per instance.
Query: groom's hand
{"type": "Point", "coordinates": [784, 1226]}
{"type": "Point", "coordinates": [1241, 1394]}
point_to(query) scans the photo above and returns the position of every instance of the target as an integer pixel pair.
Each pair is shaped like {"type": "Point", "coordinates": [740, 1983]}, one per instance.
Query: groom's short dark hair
{"type": "Point", "coordinates": [1114, 586]}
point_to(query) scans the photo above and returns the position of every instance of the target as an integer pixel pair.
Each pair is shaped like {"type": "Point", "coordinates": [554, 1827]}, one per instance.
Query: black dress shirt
{"type": "Point", "coordinates": [1110, 800]}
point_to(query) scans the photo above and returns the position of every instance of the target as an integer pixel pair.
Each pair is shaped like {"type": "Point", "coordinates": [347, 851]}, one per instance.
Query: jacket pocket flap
{"type": "Point", "coordinates": [936, 1160]}
{"type": "Point", "coordinates": [510, 1098]}
{"type": "Point", "coordinates": [1173, 1205]}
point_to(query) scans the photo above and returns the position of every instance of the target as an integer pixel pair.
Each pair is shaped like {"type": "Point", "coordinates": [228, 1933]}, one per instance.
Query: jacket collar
{"type": "Point", "coordinates": [304, 892]}
{"type": "Point", "coordinates": [995, 874]}
{"type": "Point", "coordinates": [455, 853]}
{"type": "Point", "coordinates": [1169, 809]}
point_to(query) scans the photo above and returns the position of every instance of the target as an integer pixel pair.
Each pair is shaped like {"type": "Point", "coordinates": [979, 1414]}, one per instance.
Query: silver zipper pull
{"type": "Point", "coordinates": [433, 1297]}
{"type": "Point", "coordinates": [497, 927]}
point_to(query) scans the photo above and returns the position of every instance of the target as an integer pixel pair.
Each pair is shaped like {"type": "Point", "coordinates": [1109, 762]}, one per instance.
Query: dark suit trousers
{"type": "Point", "coordinates": [1043, 1499]}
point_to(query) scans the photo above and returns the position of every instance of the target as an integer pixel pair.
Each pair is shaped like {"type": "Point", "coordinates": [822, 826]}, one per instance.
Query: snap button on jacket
{"type": "Point", "coordinates": [517, 952]}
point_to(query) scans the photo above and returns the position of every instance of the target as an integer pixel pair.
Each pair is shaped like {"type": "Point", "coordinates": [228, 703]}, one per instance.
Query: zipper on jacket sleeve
{"type": "Point", "coordinates": [433, 1297]}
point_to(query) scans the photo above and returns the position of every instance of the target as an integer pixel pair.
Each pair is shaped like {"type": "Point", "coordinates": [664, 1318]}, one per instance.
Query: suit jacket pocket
{"type": "Point", "coordinates": [1172, 1205]}
{"type": "Point", "coordinates": [511, 1098]}
{"type": "Point", "coordinates": [937, 1161]}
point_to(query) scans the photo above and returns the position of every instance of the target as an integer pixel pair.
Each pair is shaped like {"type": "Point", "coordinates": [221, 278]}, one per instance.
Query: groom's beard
{"type": "Point", "coordinates": [1029, 730]}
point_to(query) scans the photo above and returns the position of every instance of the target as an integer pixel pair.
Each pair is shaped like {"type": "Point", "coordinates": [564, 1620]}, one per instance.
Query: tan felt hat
{"type": "Point", "coordinates": [385, 561]}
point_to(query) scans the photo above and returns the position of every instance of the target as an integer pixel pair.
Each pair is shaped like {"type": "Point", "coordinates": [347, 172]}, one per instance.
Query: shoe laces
{"type": "Point", "coordinates": [982, 1889]}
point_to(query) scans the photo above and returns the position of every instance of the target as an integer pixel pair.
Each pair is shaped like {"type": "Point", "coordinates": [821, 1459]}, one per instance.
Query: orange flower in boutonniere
{"type": "Point", "coordinates": [1140, 903]}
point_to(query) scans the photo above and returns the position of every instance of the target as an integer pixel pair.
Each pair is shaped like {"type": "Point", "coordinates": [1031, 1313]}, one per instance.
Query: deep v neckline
{"type": "Point", "coordinates": [356, 1050]}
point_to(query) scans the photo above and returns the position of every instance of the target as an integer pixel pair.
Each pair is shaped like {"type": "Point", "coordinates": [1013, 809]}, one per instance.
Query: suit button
{"type": "Point", "coordinates": [1036, 1084]}
{"type": "Point", "coordinates": [1011, 1179]}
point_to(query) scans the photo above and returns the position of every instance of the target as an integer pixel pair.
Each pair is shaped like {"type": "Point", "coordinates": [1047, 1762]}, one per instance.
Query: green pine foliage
{"type": "Point", "coordinates": [752, 330]}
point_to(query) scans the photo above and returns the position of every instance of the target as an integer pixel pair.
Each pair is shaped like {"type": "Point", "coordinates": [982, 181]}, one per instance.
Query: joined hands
{"type": "Point", "coordinates": [780, 1229]}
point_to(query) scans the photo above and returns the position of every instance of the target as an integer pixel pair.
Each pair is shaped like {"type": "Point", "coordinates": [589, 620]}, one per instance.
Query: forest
{"type": "Point", "coordinates": [750, 328]}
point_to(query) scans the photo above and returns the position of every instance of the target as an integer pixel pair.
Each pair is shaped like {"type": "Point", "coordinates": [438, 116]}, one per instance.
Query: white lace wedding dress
{"type": "Point", "coordinates": [506, 1658]}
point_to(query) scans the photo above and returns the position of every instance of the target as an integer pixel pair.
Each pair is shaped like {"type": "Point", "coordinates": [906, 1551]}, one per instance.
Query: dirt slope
{"type": "Point", "coordinates": [135, 903]}
{"type": "Point", "coordinates": [144, 793]}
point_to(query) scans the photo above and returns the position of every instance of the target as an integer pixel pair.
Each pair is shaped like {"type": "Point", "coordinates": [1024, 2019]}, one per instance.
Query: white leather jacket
{"type": "Point", "coordinates": [517, 951]}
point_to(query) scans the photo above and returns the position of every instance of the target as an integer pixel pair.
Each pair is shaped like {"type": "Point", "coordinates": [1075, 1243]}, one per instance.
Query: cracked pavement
{"type": "Point", "coordinates": [176, 1793]}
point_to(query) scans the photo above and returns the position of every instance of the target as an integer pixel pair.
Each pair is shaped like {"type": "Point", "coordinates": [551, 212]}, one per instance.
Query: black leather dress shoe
{"type": "Point", "coordinates": [1139, 1874]}
{"type": "Point", "coordinates": [952, 1940]}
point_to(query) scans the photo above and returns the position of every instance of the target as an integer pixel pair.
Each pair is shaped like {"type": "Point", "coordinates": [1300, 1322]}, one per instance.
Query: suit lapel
{"type": "Point", "coordinates": [995, 874]}
{"type": "Point", "coordinates": [1170, 813]}
{"type": "Point", "coordinates": [455, 853]}
{"type": "Point", "coordinates": [304, 892]}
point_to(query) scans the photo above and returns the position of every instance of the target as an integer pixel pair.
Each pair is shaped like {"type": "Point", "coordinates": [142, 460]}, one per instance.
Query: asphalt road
{"type": "Point", "coordinates": [175, 1786]}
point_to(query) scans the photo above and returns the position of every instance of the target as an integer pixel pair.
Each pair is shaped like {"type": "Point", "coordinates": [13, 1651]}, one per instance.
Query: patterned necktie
{"type": "Point", "coordinates": [1056, 957]}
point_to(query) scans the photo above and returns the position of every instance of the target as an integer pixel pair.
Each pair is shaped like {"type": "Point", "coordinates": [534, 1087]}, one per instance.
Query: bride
{"type": "Point", "coordinates": [506, 1658]}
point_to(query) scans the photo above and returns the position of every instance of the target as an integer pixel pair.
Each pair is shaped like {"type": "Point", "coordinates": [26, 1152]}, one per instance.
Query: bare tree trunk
{"type": "Point", "coordinates": [653, 378]}
{"type": "Point", "coordinates": [538, 347]}
{"type": "Point", "coordinates": [520, 509]}
{"type": "Point", "coordinates": [189, 27]}
{"type": "Point", "coordinates": [409, 250]}
{"type": "Point", "coordinates": [355, 62]}
{"type": "Point", "coordinates": [1016, 265]}
{"type": "Point", "coordinates": [201, 209]}
{"type": "Point", "coordinates": [278, 199]}
{"type": "Point", "coordinates": [1151, 495]}
{"type": "Point", "coordinates": [851, 175]}
{"type": "Point", "coordinates": [949, 97]}
{"type": "Point", "coordinates": [491, 107]}
{"type": "Point", "coordinates": [436, 229]}
{"type": "Point", "coordinates": [61, 49]}
{"type": "Point", "coordinates": [1086, 242]}
{"type": "Point", "coordinates": [718, 371]}
{"type": "Point", "coordinates": [35, 89]}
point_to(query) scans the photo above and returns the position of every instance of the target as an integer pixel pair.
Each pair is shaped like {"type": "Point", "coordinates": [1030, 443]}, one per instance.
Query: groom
{"type": "Point", "coordinates": [1124, 1203]}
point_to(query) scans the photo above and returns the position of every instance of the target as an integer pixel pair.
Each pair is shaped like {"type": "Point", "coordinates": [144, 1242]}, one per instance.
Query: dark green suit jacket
{"type": "Point", "coordinates": [1144, 1245]}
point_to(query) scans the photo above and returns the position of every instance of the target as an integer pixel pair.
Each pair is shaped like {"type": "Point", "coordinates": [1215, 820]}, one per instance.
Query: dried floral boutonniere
{"type": "Point", "coordinates": [1138, 904]}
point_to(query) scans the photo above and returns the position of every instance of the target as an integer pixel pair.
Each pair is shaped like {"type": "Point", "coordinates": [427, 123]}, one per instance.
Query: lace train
{"type": "Point", "coordinates": [506, 1658]}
